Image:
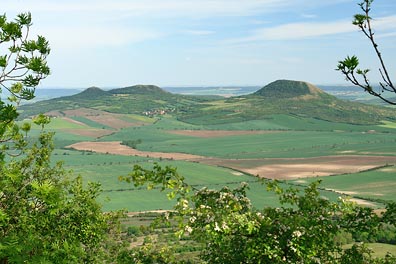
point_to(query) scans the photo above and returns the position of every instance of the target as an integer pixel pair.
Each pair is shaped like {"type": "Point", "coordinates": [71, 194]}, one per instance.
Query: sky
{"type": "Point", "coordinates": [120, 43]}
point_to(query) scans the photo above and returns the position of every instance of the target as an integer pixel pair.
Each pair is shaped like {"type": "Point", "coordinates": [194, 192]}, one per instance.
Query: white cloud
{"type": "Point", "coordinates": [94, 36]}
{"type": "Point", "coordinates": [309, 16]}
{"type": "Point", "coordinates": [149, 7]}
{"type": "Point", "coordinates": [90, 23]}
{"type": "Point", "coordinates": [293, 60]}
{"type": "Point", "coordinates": [301, 31]}
{"type": "Point", "coordinates": [295, 31]}
{"type": "Point", "coordinates": [198, 32]}
{"type": "Point", "coordinates": [253, 61]}
{"type": "Point", "coordinates": [386, 35]}
{"type": "Point", "coordinates": [384, 23]}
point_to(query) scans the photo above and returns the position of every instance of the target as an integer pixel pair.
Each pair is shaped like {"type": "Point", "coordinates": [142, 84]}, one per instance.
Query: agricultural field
{"type": "Point", "coordinates": [347, 158]}
{"type": "Point", "coordinates": [375, 185]}
{"type": "Point", "coordinates": [290, 131]}
{"type": "Point", "coordinates": [215, 142]}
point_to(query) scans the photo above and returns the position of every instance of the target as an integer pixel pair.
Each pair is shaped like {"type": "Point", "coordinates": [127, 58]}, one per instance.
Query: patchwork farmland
{"type": "Point", "coordinates": [90, 143]}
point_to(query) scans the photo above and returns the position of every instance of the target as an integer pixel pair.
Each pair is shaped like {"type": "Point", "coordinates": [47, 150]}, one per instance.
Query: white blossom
{"type": "Point", "coordinates": [297, 233]}
{"type": "Point", "coordinates": [188, 229]}
{"type": "Point", "coordinates": [184, 204]}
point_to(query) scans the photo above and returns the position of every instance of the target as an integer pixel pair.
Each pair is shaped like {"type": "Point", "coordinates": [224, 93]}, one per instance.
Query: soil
{"type": "Point", "coordinates": [286, 169]}
{"type": "Point", "coordinates": [115, 147]}
{"type": "Point", "coordinates": [275, 168]}
{"type": "Point", "coordinates": [96, 133]}
{"type": "Point", "coordinates": [107, 119]}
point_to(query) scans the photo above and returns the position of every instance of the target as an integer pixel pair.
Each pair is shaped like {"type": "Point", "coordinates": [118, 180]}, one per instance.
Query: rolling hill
{"type": "Point", "coordinates": [285, 97]}
{"type": "Point", "coordinates": [288, 89]}
{"type": "Point", "coordinates": [296, 98]}
{"type": "Point", "coordinates": [128, 100]}
{"type": "Point", "coordinates": [141, 89]}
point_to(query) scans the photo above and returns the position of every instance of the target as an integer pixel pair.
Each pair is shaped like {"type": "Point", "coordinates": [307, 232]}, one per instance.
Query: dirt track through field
{"type": "Point", "coordinates": [273, 168]}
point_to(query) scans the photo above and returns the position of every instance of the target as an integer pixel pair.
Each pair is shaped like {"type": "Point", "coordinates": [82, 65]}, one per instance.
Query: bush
{"type": "Point", "coordinates": [134, 231]}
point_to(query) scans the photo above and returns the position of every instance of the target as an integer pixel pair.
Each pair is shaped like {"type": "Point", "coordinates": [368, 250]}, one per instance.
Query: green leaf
{"type": "Point", "coordinates": [360, 20]}
{"type": "Point", "coordinates": [22, 59]}
{"type": "Point", "coordinates": [29, 46]}
{"type": "Point", "coordinates": [31, 81]}
{"type": "Point", "coordinates": [12, 31]}
{"type": "Point", "coordinates": [12, 98]}
{"type": "Point", "coordinates": [25, 19]}
{"type": "Point", "coordinates": [27, 93]}
{"type": "Point", "coordinates": [16, 88]}
{"type": "Point", "coordinates": [41, 119]}
{"type": "Point", "coordinates": [3, 61]}
{"type": "Point", "coordinates": [26, 127]}
{"type": "Point", "coordinates": [3, 20]}
{"type": "Point", "coordinates": [42, 45]}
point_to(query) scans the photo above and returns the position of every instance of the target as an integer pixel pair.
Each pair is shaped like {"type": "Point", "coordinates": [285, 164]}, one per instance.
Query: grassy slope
{"type": "Point", "coordinates": [253, 107]}
{"type": "Point", "coordinates": [115, 101]}
{"type": "Point", "coordinates": [293, 99]}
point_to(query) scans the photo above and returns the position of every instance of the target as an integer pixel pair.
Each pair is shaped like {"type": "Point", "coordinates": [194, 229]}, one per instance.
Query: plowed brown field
{"type": "Point", "coordinates": [115, 147]}
{"type": "Point", "coordinates": [275, 168]}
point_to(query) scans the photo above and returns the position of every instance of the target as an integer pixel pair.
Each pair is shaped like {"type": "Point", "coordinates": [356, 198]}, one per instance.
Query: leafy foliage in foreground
{"type": "Point", "coordinates": [359, 77]}
{"type": "Point", "coordinates": [302, 230]}
{"type": "Point", "coordinates": [44, 217]}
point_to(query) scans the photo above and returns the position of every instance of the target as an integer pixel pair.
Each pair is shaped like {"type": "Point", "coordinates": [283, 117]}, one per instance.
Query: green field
{"type": "Point", "coordinates": [376, 185]}
{"type": "Point", "coordinates": [105, 169]}
{"type": "Point", "coordinates": [379, 249]}
{"type": "Point", "coordinates": [288, 143]}
{"type": "Point", "coordinates": [272, 136]}
{"type": "Point", "coordinates": [285, 140]}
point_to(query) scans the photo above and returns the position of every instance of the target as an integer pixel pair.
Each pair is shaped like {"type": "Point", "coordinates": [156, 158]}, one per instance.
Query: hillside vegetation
{"type": "Point", "coordinates": [285, 97]}
{"type": "Point", "coordinates": [293, 98]}
{"type": "Point", "coordinates": [137, 99]}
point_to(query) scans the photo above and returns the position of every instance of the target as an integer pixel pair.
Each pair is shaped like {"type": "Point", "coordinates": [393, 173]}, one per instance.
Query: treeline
{"type": "Point", "coordinates": [386, 234]}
